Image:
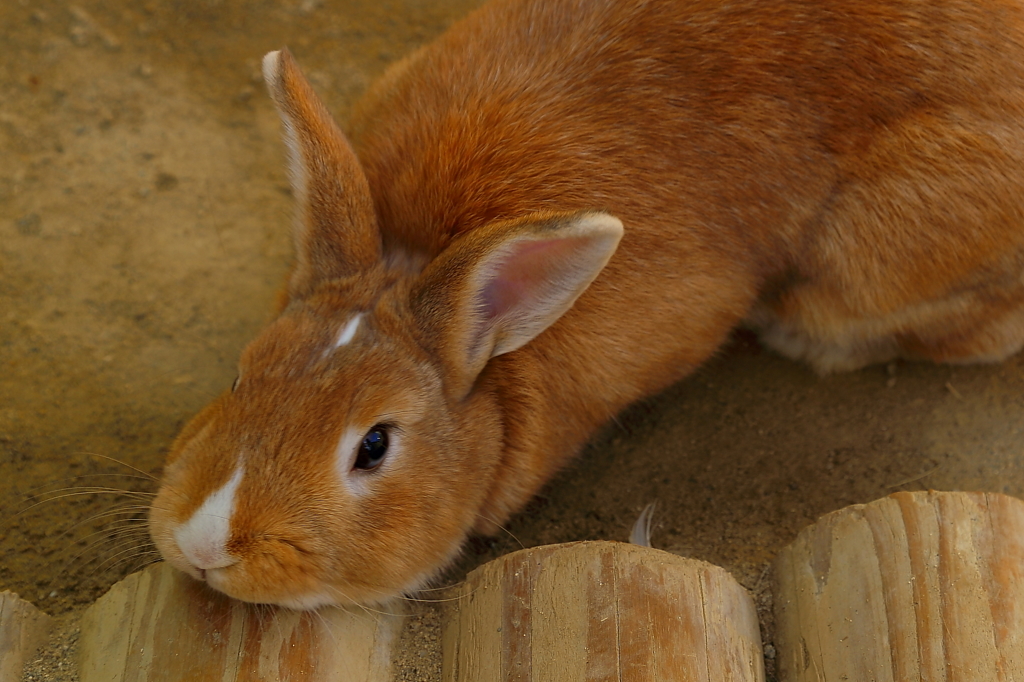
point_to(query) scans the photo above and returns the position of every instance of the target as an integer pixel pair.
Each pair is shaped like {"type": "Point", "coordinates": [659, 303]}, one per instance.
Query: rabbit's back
{"type": "Point", "coordinates": [845, 175]}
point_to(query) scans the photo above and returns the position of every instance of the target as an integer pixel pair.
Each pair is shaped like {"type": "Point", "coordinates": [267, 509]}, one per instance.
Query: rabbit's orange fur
{"type": "Point", "coordinates": [845, 175]}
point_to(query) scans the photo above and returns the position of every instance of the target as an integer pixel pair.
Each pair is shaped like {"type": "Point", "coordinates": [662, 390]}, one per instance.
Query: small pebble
{"type": "Point", "coordinates": [80, 35]}
{"type": "Point", "coordinates": [165, 181]}
{"type": "Point", "coordinates": [30, 224]}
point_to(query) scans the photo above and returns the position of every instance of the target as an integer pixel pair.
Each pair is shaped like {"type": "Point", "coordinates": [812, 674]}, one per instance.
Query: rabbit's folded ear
{"type": "Point", "coordinates": [496, 288]}
{"type": "Point", "coordinates": [336, 233]}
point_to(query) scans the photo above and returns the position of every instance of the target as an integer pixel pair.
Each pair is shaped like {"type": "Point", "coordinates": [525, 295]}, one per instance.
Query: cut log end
{"type": "Point", "coordinates": [916, 586]}
{"type": "Point", "coordinates": [23, 628]}
{"type": "Point", "coordinates": [161, 624]}
{"type": "Point", "coordinates": [601, 610]}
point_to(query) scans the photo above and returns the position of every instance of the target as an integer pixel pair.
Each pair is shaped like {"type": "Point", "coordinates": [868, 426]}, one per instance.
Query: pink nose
{"type": "Point", "coordinates": [205, 555]}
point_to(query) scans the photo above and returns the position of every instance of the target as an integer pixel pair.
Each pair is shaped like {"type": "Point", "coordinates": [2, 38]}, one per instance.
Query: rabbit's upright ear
{"type": "Point", "coordinates": [496, 288]}
{"type": "Point", "coordinates": [336, 233]}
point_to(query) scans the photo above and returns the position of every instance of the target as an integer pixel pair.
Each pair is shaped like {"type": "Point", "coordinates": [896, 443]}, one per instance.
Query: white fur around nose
{"type": "Point", "coordinates": [203, 538]}
{"type": "Point", "coordinates": [348, 332]}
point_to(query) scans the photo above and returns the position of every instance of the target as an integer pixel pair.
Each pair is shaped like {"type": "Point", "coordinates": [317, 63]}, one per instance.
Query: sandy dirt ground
{"type": "Point", "coordinates": [144, 217]}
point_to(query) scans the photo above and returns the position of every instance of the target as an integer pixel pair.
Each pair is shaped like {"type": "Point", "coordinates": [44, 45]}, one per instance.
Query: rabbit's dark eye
{"type": "Point", "coordinates": [373, 448]}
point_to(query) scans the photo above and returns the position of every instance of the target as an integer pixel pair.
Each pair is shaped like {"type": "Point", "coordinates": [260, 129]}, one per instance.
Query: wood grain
{"type": "Point", "coordinates": [22, 628]}
{"type": "Point", "coordinates": [161, 626]}
{"type": "Point", "coordinates": [600, 611]}
{"type": "Point", "coordinates": [917, 586]}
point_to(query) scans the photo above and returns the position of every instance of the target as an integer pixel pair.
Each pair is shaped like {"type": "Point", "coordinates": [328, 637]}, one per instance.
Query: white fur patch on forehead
{"type": "Point", "coordinates": [348, 332]}
{"type": "Point", "coordinates": [203, 538]}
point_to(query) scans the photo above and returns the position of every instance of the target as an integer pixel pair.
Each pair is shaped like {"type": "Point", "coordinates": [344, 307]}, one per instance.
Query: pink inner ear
{"type": "Point", "coordinates": [528, 273]}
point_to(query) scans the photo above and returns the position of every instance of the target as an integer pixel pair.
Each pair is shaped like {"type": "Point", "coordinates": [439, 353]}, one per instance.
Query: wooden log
{"type": "Point", "coordinates": [917, 586]}
{"type": "Point", "coordinates": [595, 611]}
{"type": "Point", "coordinates": [23, 628]}
{"type": "Point", "coordinates": [161, 626]}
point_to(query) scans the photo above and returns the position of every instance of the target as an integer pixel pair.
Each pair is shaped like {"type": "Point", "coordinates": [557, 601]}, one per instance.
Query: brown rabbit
{"type": "Point", "coordinates": [847, 176]}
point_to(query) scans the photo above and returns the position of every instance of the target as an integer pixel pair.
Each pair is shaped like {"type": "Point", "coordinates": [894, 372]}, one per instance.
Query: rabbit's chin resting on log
{"type": "Point", "coordinates": [560, 207]}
